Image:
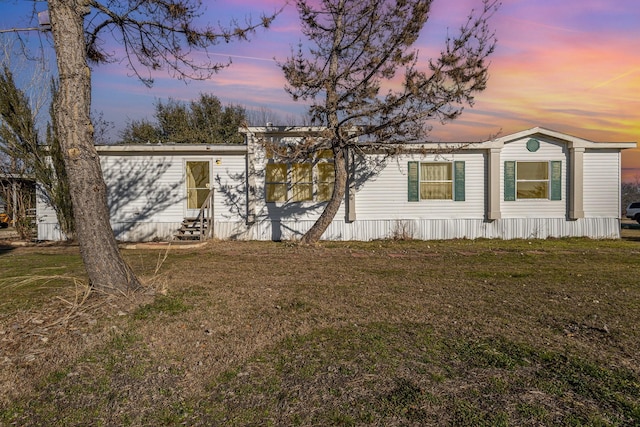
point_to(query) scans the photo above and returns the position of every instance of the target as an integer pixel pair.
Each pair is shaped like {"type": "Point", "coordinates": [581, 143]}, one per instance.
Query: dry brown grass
{"type": "Point", "coordinates": [400, 330]}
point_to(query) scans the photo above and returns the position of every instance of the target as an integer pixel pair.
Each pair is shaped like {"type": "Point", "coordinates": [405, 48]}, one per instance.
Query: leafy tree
{"type": "Point", "coordinates": [20, 142]}
{"type": "Point", "coordinates": [350, 76]}
{"type": "Point", "coordinates": [204, 121]}
{"type": "Point", "coordinates": [154, 34]}
{"type": "Point", "coordinates": [141, 132]}
{"type": "Point", "coordinates": [17, 127]}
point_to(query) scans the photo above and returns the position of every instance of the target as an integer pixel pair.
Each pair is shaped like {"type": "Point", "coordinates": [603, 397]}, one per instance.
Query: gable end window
{"type": "Point", "coordinates": [436, 181]}
{"type": "Point", "coordinates": [532, 180]}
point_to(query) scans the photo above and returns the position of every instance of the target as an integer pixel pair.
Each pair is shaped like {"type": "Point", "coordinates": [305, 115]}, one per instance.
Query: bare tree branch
{"type": "Point", "coordinates": [361, 47]}
{"type": "Point", "coordinates": [162, 33]}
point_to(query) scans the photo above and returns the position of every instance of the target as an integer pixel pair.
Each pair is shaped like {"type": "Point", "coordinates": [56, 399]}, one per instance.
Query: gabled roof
{"type": "Point", "coordinates": [570, 140]}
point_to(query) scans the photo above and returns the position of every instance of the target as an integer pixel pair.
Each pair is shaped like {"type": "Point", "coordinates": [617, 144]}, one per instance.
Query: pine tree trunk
{"type": "Point", "coordinates": [330, 211]}
{"type": "Point", "coordinates": [340, 166]}
{"type": "Point", "coordinates": [105, 267]}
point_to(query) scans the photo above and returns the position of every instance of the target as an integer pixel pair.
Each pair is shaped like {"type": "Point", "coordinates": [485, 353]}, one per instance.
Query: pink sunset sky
{"type": "Point", "coordinates": [567, 65]}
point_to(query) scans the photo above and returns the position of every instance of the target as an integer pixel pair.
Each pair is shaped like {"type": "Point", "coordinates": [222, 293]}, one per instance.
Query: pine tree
{"type": "Point", "coordinates": [358, 49]}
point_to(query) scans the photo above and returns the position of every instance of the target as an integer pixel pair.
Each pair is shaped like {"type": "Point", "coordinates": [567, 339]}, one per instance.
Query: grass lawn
{"type": "Point", "coordinates": [393, 333]}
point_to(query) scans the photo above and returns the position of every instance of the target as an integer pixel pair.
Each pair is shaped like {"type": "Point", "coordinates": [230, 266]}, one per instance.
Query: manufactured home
{"type": "Point", "coordinates": [537, 183]}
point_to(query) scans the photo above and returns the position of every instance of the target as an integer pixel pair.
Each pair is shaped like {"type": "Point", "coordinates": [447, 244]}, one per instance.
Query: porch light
{"type": "Point", "coordinates": [43, 20]}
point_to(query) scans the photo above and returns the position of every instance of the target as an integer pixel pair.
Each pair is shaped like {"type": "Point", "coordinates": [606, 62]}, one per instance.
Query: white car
{"type": "Point", "coordinates": [633, 211]}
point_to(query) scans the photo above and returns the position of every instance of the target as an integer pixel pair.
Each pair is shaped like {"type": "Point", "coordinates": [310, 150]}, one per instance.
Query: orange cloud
{"type": "Point", "coordinates": [567, 65]}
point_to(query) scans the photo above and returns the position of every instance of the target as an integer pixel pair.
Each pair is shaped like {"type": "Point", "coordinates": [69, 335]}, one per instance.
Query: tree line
{"type": "Point", "coordinates": [202, 121]}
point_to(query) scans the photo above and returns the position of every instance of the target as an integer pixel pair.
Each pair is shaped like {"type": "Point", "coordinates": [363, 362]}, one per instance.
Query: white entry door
{"type": "Point", "coordinates": [198, 182]}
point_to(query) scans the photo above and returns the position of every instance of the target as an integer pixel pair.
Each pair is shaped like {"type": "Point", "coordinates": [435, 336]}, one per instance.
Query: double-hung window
{"type": "Point", "coordinates": [532, 180]}
{"type": "Point", "coordinates": [436, 181]}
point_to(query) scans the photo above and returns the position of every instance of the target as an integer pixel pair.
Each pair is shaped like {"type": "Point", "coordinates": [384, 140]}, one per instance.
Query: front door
{"type": "Point", "coordinates": [198, 182]}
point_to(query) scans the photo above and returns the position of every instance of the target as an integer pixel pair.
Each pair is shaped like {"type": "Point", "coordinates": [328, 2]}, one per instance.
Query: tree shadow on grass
{"type": "Point", "coordinates": [630, 231]}
{"type": "Point", "coordinates": [5, 248]}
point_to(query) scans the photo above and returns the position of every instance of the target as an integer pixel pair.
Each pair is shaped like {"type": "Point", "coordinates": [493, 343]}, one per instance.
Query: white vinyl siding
{"type": "Point", "coordinates": [516, 151]}
{"type": "Point", "coordinates": [601, 183]}
{"type": "Point", "coordinates": [147, 193]}
{"type": "Point", "coordinates": [144, 188]}
{"type": "Point", "coordinates": [47, 221]}
{"type": "Point", "coordinates": [229, 183]}
{"type": "Point", "coordinates": [384, 195]}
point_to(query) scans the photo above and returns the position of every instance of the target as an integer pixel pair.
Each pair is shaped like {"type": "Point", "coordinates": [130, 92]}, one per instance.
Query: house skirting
{"type": "Point", "coordinates": [442, 229]}
{"type": "Point", "coordinates": [364, 230]}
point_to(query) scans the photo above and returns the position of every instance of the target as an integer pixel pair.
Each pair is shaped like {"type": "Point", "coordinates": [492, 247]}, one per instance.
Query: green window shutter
{"type": "Point", "coordinates": [413, 182]}
{"type": "Point", "coordinates": [556, 180]}
{"type": "Point", "coordinates": [509, 181]}
{"type": "Point", "coordinates": [458, 180]}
